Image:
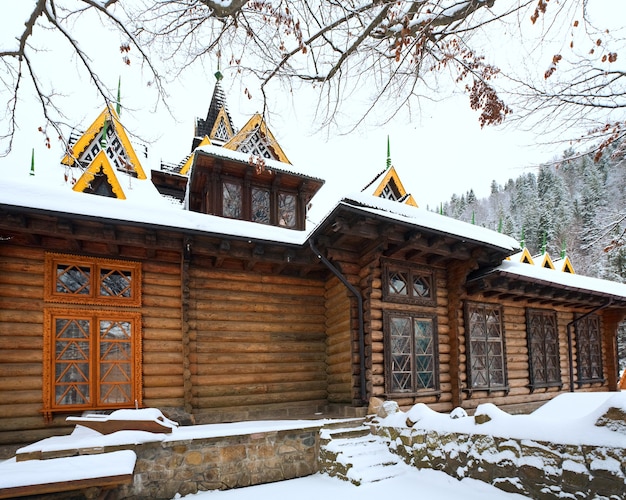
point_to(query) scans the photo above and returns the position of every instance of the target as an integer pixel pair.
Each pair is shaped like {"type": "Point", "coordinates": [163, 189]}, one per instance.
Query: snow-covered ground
{"type": "Point", "coordinates": [568, 418]}
{"type": "Point", "coordinates": [419, 484]}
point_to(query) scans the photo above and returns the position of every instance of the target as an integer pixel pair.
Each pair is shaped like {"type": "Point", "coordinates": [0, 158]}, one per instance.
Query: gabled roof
{"type": "Point", "coordinates": [546, 261]}
{"type": "Point", "coordinates": [100, 166]}
{"type": "Point", "coordinates": [387, 184]}
{"type": "Point", "coordinates": [256, 139]}
{"type": "Point", "coordinates": [565, 264]}
{"type": "Point", "coordinates": [187, 165]}
{"type": "Point", "coordinates": [106, 130]}
{"type": "Point", "coordinates": [523, 256]}
{"type": "Point", "coordinates": [218, 124]}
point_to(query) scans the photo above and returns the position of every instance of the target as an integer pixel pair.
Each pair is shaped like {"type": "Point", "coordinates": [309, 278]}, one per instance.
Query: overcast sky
{"type": "Point", "coordinates": [438, 150]}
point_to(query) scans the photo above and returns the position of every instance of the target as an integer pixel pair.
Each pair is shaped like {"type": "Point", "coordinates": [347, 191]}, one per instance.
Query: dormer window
{"type": "Point", "coordinates": [236, 189]}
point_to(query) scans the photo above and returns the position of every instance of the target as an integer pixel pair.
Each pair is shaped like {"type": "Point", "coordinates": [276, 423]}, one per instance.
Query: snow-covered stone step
{"type": "Point", "coordinates": [358, 475]}
{"type": "Point", "coordinates": [359, 459]}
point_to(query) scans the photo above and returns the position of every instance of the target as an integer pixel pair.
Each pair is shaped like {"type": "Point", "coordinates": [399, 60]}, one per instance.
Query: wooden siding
{"type": "Point", "coordinates": [257, 342]}
{"type": "Point", "coordinates": [338, 342]}
{"type": "Point", "coordinates": [21, 336]}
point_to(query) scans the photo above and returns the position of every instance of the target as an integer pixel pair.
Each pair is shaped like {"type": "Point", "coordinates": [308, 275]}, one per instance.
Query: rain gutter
{"type": "Point", "coordinates": [359, 299]}
{"type": "Point", "coordinates": [570, 352]}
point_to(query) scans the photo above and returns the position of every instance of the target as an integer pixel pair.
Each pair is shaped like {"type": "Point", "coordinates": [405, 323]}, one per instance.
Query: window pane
{"type": "Point", "coordinates": [115, 362]}
{"type": "Point", "coordinates": [486, 346]}
{"type": "Point", "coordinates": [115, 283]}
{"type": "Point", "coordinates": [421, 286]}
{"type": "Point", "coordinates": [398, 283]}
{"type": "Point", "coordinates": [260, 205]}
{"type": "Point", "coordinates": [424, 354]}
{"type": "Point", "coordinates": [72, 361]}
{"type": "Point", "coordinates": [286, 210]}
{"type": "Point", "coordinates": [72, 279]}
{"type": "Point", "coordinates": [543, 346]}
{"type": "Point", "coordinates": [231, 200]}
{"type": "Point", "coordinates": [400, 337]}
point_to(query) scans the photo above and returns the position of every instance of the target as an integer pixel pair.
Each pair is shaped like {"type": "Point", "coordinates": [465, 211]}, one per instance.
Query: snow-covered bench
{"type": "Point", "coordinates": [82, 472]}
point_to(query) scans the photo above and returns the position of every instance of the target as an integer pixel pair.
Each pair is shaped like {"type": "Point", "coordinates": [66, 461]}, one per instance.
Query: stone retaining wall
{"type": "Point", "coordinates": [537, 469]}
{"type": "Point", "coordinates": [166, 468]}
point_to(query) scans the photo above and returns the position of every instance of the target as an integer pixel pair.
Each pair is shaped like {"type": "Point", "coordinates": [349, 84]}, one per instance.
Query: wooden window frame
{"type": "Point", "coordinates": [95, 266]}
{"type": "Point", "coordinates": [414, 391]}
{"type": "Point", "coordinates": [589, 349]}
{"type": "Point", "coordinates": [94, 317]}
{"type": "Point", "coordinates": [412, 271]}
{"type": "Point", "coordinates": [275, 194]}
{"type": "Point", "coordinates": [539, 345]}
{"type": "Point", "coordinates": [472, 357]}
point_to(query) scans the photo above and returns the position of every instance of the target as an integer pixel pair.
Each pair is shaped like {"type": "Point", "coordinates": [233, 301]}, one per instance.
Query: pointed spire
{"type": "Point", "coordinates": [500, 225]}
{"type": "Point", "coordinates": [473, 218]}
{"type": "Point", "coordinates": [388, 154]}
{"type": "Point", "coordinates": [118, 107]}
{"type": "Point", "coordinates": [544, 243]}
{"type": "Point", "coordinates": [523, 241]}
{"type": "Point", "coordinates": [32, 163]}
{"type": "Point", "coordinates": [563, 250]}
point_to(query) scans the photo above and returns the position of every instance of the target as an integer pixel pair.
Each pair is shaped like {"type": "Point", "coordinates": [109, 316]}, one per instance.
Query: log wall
{"type": "Point", "coordinates": [21, 336]}
{"type": "Point", "coordinates": [257, 343]}
{"type": "Point", "coordinates": [338, 343]}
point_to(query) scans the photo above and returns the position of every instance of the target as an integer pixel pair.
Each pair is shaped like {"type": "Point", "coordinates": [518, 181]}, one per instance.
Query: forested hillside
{"type": "Point", "coordinates": [574, 205]}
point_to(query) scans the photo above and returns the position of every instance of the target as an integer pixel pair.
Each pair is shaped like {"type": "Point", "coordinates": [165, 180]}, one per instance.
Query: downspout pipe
{"type": "Point", "coordinates": [359, 299]}
{"type": "Point", "coordinates": [570, 349]}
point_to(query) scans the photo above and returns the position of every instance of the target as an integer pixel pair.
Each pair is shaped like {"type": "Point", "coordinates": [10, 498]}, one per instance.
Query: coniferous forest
{"type": "Point", "coordinates": [575, 205]}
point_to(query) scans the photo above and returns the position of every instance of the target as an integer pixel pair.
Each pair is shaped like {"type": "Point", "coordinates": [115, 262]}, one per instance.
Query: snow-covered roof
{"type": "Point", "coordinates": [274, 165]}
{"type": "Point", "coordinates": [573, 282]}
{"type": "Point", "coordinates": [49, 191]}
{"type": "Point", "coordinates": [435, 222]}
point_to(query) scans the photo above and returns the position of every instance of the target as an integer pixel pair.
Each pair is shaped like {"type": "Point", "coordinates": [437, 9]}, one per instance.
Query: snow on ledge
{"type": "Point", "coordinates": [15, 474]}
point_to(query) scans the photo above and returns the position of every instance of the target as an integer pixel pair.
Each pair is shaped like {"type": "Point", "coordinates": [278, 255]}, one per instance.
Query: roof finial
{"type": "Point", "coordinates": [118, 106]}
{"type": "Point", "coordinates": [388, 153]}
{"type": "Point", "coordinates": [218, 73]}
{"type": "Point", "coordinates": [32, 163]}
{"type": "Point", "coordinates": [563, 249]}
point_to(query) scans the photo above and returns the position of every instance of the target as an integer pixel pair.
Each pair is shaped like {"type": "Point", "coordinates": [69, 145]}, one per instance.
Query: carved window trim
{"type": "Point", "coordinates": [542, 336]}
{"type": "Point", "coordinates": [412, 276]}
{"type": "Point", "coordinates": [96, 274]}
{"type": "Point", "coordinates": [95, 370]}
{"type": "Point", "coordinates": [413, 357]}
{"type": "Point", "coordinates": [485, 347]}
{"type": "Point", "coordinates": [589, 350]}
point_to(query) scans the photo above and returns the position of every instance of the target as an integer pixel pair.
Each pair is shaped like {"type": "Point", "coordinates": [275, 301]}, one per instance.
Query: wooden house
{"type": "Point", "coordinates": [204, 291]}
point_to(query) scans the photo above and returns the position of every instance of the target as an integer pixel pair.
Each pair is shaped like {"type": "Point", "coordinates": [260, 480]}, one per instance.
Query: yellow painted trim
{"type": "Point", "coordinates": [567, 266]}
{"type": "Point", "coordinates": [222, 116]}
{"type": "Point", "coordinates": [526, 257]}
{"type": "Point", "coordinates": [185, 170]}
{"type": "Point", "coordinates": [411, 201]}
{"type": "Point", "coordinates": [94, 129]}
{"type": "Point", "coordinates": [547, 261]}
{"type": "Point", "coordinates": [393, 174]}
{"type": "Point", "coordinates": [253, 123]}
{"type": "Point", "coordinates": [101, 160]}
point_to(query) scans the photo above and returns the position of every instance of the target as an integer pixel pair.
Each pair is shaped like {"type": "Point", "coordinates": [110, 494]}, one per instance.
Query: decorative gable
{"type": "Point", "coordinates": [222, 131]}
{"type": "Point", "coordinates": [256, 139]}
{"type": "Point", "coordinates": [389, 186]}
{"type": "Point", "coordinates": [100, 179]}
{"type": "Point", "coordinates": [187, 165]}
{"type": "Point", "coordinates": [106, 134]}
